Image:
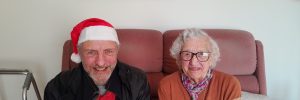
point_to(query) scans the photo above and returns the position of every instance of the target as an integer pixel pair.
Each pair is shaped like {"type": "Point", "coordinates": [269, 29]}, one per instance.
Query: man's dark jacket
{"type": "Point", "coordinates": [129, 83]}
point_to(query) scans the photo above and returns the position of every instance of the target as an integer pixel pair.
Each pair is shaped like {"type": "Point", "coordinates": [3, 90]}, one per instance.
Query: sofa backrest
{"type": "Point", "coordinates": [141, 48]}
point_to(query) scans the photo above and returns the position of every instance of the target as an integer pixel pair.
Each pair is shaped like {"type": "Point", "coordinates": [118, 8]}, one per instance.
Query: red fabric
{"type": "Point", "coordinates": [80, 26]}
{"type": "Point", "coordinates": [107, 96]}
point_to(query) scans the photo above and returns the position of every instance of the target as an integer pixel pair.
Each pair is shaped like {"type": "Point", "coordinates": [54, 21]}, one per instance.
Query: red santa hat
{"type": "Point", "coordinates": [91, 29]}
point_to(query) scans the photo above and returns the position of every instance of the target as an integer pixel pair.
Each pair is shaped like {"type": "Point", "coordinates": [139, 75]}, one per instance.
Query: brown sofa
{"type": "Point", "coordinates": [241, 55]}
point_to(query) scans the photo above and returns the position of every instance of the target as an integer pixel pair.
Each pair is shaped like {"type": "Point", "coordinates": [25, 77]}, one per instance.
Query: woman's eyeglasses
{"type": "Point", "coordinates": [201, 56]}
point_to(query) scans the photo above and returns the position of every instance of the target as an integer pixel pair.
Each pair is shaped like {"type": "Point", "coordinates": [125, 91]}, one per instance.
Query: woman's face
{"type": "Point", "coordinates": [196, 68]}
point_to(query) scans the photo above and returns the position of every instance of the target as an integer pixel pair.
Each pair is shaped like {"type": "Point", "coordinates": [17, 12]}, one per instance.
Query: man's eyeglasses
{"type": "Point", "coordinates": [201, 56]}
{"type": "Point", "coordinates": [106, 52]}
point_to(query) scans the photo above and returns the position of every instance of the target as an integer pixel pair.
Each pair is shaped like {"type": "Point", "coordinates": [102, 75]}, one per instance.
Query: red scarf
{"type": "Point", "coordinates": [107, 96]}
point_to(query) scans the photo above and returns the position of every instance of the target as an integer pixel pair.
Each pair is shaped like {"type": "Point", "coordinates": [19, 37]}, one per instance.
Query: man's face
{"type": "Point", "coordinates": [195, 68]}
{"type": "Point", "coordinates": [99, 58]}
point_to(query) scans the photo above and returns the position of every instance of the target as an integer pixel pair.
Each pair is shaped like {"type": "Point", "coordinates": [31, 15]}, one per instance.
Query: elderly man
{"type": "Point", "coordinates": [100, 75]}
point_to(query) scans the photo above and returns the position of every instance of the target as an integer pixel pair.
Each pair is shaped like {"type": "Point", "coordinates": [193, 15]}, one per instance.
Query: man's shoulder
{"type": "Point", "coordinates": [62, 85]}
{"type": "Point", "coordinates": [131, 74]}
{"type": "Point", "coordinates": [70, 74]}
{"type": "Point", "coordinates": [136, 79]}
{"type": "Point", "coordinates": [125, 68]}
{"type": "Point", "coordinates": [64, 78]}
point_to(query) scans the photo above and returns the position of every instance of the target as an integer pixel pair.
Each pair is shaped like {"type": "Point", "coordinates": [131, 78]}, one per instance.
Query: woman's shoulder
{"type": "Point", "coordinates": [171, 78]}
{"type": "Point", "coordinates": [224, 78]}
{"type": "Point", "coordinates": [228, 84]}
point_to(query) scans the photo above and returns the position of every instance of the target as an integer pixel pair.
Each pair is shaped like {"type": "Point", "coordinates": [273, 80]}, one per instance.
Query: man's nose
{"type": "Point", "coordinates": [100, 61]}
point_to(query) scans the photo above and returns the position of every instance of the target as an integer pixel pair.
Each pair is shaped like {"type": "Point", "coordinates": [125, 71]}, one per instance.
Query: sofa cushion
{"type": "Point", "coordinates": [253, 96]}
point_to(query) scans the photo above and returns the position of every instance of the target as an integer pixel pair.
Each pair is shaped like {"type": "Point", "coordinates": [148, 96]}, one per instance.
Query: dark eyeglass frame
{"type": "Point", "coordinates": [195, 54]}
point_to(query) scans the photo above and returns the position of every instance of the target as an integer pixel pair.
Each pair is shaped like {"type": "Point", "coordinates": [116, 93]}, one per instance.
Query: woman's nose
{"type": "Point", "coordinates": [194, 60]}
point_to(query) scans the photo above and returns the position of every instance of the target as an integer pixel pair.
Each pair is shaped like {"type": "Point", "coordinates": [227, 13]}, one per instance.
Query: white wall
{"type": "Point", "coordinates": [32, 33]}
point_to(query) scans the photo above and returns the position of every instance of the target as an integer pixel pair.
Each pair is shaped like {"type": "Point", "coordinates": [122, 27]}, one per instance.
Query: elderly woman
{"type": "Point", "coordinates": [196, 54]}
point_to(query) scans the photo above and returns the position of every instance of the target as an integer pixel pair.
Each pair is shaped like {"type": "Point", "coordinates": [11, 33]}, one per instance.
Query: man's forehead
{"type": "Point", "coordinates": [99, 44]}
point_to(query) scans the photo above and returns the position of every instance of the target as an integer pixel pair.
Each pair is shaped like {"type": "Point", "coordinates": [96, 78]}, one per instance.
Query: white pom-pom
{"type": "Point", "coordinates": [75, 58]}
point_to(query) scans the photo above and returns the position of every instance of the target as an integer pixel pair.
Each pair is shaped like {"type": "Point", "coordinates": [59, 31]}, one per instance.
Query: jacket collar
{"type": "Point", "coordinates": [115, 82]}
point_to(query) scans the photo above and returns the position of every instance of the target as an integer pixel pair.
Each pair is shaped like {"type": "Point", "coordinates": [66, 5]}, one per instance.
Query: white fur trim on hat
{"type": "Point", "coordinates": [75, 58]}
{"type": "Point", "coordinates": [98, 33]}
